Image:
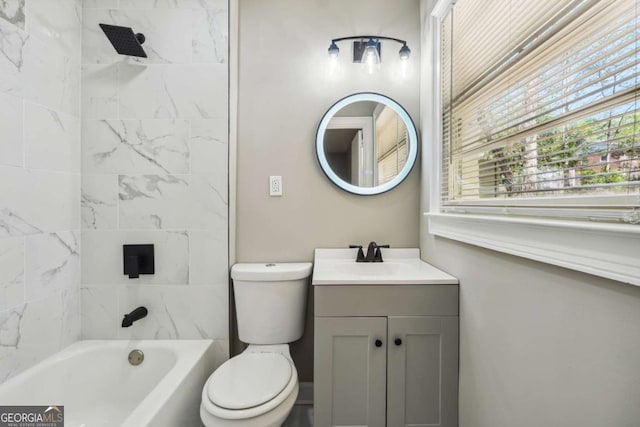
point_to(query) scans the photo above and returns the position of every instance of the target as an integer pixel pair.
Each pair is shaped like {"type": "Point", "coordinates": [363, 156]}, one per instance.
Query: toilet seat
{"type": "Point", "coordinates": [267, 359]}
{"type": "Point", "coordinates": [249, 380]}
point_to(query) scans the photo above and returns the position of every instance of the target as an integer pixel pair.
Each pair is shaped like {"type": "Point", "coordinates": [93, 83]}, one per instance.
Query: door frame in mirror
{"type": "Point", "coordinates": [412, 144]}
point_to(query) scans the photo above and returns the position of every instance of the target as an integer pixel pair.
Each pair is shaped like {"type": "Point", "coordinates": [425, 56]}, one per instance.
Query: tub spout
{"type": "Point", "coordinates": [136, 314]}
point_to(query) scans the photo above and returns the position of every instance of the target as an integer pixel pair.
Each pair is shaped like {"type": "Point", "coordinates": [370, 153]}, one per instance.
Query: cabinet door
{"type": "Point", "coordinates": [350, 371]}
{"type": "Point", "coordinates": [422, 376]}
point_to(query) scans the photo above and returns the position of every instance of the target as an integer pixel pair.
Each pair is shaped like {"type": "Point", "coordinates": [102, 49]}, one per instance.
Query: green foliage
{"type": "Point", "coordinates": [591, 177]}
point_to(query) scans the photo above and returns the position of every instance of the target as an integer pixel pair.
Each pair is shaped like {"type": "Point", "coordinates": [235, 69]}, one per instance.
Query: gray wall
{"type": "Point", "coordinates": [539, 345]}
{"type": "Point", "coordinates": [39, 180]}
{"type": "Point", "coordinates": [284, 89]}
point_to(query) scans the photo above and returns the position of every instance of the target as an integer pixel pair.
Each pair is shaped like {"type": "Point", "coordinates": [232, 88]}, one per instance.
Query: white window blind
{"type": "Point", "coordinates": [391, 144]}
{"type": "Point", "coordinates": [540, 108]}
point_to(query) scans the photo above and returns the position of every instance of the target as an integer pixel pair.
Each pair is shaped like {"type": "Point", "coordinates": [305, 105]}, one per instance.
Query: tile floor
{"type": "Point", "coordinates": [301, 416]}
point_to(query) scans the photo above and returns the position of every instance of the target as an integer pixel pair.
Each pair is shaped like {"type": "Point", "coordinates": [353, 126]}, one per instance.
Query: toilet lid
{"type": "Point", "coordinates": [249, 380]}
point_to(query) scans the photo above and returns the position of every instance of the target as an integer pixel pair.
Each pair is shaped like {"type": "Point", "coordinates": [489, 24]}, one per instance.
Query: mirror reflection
{"type": "Point", "coordinates": [365, 143]}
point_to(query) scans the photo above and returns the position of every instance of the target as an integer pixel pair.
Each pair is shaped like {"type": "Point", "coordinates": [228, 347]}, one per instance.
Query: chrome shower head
{"type": "Point", "coordinates": [124, 40]}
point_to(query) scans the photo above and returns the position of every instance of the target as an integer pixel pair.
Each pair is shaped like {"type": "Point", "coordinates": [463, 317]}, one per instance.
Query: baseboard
{"type": "Point", "coordinates": [305, 395]}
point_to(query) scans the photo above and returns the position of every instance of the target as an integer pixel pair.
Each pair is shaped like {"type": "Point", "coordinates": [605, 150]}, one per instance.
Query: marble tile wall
{"type": "Point", "coordinates": [40, 75]}
{"type": "Point", "coordinates": [155, 170]}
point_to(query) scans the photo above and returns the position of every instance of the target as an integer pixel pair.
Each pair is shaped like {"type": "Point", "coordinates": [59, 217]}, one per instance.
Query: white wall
{"type": "Point", "coordinates": [155, 169]}
{"type": "Point", "coordinates": [539, 345]}
{"type": "Point", "coordinates": [39, 180]}
{"type": "Point", "coordinates": [284, 89]}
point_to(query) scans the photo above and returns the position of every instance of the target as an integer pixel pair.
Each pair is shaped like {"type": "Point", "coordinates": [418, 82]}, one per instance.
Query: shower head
{"type": "Point", "coordinates": [124, 40]}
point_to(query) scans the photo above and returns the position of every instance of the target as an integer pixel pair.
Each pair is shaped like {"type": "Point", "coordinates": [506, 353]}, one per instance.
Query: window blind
{"type": "Point", "coordinates": [391, 144]}
{"type": "Point", "coordinates": [539, 106]}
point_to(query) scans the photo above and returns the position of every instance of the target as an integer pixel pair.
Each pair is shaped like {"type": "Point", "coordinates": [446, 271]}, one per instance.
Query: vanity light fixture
{"type": "Point", "coordinates": [366, 50]}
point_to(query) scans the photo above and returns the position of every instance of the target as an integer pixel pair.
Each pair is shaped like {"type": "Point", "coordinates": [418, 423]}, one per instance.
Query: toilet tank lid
{"type": "Point", "coordinates": [271, 272]}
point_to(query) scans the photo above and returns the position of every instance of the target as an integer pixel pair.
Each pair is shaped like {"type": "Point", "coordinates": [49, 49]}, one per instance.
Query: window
{"type": "Point", "coordinates": [539, 142]}
{"type": "Point", "coordinates": [391, 144]}
{"type": "Point", "coordinates": [540, 109]}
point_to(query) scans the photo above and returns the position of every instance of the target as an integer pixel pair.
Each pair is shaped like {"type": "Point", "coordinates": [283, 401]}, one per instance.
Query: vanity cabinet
{"type": "Point", "coordinates": [386, 355]}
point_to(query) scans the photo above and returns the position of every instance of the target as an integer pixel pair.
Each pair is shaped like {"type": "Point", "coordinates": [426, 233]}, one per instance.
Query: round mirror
{"type": "Point", "coordinates": [366, 143]}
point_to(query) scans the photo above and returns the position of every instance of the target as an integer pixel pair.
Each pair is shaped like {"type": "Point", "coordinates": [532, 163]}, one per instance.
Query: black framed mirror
{"type": "Point", "coordinates": [366, 143]}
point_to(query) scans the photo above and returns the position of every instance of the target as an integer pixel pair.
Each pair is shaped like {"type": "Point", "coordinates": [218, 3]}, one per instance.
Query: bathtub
{"type": "Point", "coordinates": [99, 387]}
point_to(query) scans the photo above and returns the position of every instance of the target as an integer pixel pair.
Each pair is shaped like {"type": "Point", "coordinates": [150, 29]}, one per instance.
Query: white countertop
{"type": "Point", "coordinates": [400, 267]}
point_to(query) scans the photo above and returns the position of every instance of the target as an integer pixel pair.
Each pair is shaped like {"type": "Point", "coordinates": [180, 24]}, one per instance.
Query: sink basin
{"type": "Point", "coordinates": [360, 268]}
{"type": "Point", "coordinates": [401, 266]}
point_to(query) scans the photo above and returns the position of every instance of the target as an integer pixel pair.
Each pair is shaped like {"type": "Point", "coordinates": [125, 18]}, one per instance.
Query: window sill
{"type": "Point", "coordinates": [606, 250]}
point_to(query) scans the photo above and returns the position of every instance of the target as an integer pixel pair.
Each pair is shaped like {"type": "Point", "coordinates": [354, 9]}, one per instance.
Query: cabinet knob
{"type": "Point", "coordinates": [378, 343]}
{"type": "Point", "coordinates": [398, 341]}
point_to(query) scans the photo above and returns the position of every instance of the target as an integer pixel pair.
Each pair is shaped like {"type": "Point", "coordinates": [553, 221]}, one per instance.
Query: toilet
{"type": "Point", "coordinates": [258, 387]}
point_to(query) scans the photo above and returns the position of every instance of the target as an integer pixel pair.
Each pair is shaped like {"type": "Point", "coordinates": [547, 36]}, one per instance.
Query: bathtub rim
{"type": "Point", "coordinates": [189, 353]}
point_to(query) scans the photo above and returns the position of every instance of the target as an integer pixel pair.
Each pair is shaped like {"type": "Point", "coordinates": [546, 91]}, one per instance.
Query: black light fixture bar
{"type": "Point", "coordinates": [333, 50]}
{"type": "Point", "coordinates": [403, 42]}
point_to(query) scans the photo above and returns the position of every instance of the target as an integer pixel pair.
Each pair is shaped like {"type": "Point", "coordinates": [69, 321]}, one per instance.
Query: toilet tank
{"type": "Point", "coordinates": [271, 301]}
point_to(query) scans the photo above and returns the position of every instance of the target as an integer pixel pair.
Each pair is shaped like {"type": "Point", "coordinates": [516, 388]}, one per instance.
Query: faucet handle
{"type": "Point", "coordinates": [360, 257]}
{"type": "Point", "coordinates": [378, 255]}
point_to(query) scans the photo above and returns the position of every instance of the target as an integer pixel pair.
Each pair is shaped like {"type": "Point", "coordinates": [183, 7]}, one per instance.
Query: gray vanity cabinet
{"type": "Point", "coordinates": [428, 353]}
{"type": "Point", "coordinates": [350, 371]}
{"type": "Point", "coordinates": [386, 355]}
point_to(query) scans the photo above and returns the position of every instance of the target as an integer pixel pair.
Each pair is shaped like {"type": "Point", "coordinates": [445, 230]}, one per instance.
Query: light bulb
{"type": "Point", "coordinates": [405, 53]}
{"type": "Point", "coordinates": [333, 50]}
{"type": "Point", "coordinates": [370, 56]}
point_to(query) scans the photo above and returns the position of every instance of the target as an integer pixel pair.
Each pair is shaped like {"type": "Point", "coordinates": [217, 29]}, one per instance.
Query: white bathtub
{"type": "Point", "coordinates": [98, 387]}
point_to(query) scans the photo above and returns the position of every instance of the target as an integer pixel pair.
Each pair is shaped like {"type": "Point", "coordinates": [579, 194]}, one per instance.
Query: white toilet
{"type": "Point", "coordinates": [258, 387]}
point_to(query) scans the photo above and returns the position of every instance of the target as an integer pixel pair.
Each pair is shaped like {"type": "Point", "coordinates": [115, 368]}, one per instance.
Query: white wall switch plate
{"type": "Point", "coordinates": [275, 186]}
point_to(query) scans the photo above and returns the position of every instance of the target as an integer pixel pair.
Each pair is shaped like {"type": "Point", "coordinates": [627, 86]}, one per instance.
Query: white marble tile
{"type": "Point", "coordinates": [166, 91]}
{"type": "Point", "coordinates": [99, 201]}
{"type": "Point", "coordinates": [13, 11]}
{"type": "Point", "coordinates": [11, 148]}
{"type": "Point", "coordinates": [168, 35]}
{"type": "Point", "coordinates": [51, 139]}
{"type": "Point", "coordinates": [10, 360]}
{"type": "Point", "coordinates": [58, 23]}
{"type": "Point", "coordinates": [29, 333]}
{"type": "Point", "coordinates": [210, 148]}
{"type": "Point", "coordinates": [33, 70]}
{"type": "Point", "coordinates": [136, 146]}
{"type": "Point", "coordinates": [176, 312]}
{"type": "Point", "coordinates": [70, 76]}
{"type": "Point", "coordinates": [13, 44]}
{"type": "Point", "coordinates": [52, 263]}
{"type": "Point", "coordinates": [96, 48]}
{"type": "Point", "coordinates": [100, 316]}
{"type": "Point", "coordinates": [185, 4]}
{"type": "Point", "coordinates": [38, 202]}
{"type": "Point", "coordinates": [210, 36]}
{"type": "Point", "coordinates": [11, 272]}
{"type": "Point", "coordinates": [100, 91]}
{"type": "Point", "coordinates": [71, 331]}
{"type": "Point", "coordinates": [171, 202]}
{"type": "Point", "coordinates": [208, 251]}
{"type": "Point", "coordinates": [99, 4]}
{"type": "Point", "coordinates": [11, 295]}
{"type": "Point", "coordinates": [102, 256]}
